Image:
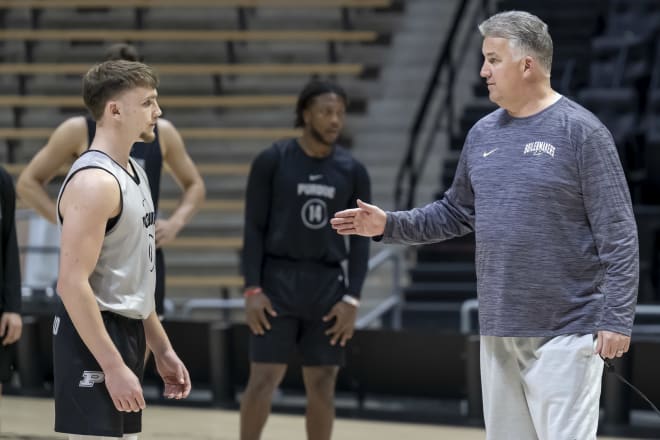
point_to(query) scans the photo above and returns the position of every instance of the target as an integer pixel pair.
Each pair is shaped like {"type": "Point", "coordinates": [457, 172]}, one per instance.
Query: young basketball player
{"type": "Point", "coordinates": [107, 267]}
{"type": "Point", "coordinates": [164, 144]}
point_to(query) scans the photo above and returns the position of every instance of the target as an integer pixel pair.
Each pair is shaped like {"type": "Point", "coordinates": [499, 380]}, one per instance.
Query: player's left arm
{"type": "Point", "coordinates": [186, 175]}
{"type": "Point", "coordinates": [172, 370]}
{"type": "Point", "coordinates": [345, 311]}
{"type": "Point", "coordinates": [610, 214]}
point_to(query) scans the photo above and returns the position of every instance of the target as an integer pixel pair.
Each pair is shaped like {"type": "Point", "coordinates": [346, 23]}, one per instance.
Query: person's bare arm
{"type": "Point", "coordinates": [64, 146]}
{"type": "Point", "coordinates": [173, 372]}
{"type": "Point", "coordinates": [90, 198]}
{"type": "Point", "coordinates": [185, 173]}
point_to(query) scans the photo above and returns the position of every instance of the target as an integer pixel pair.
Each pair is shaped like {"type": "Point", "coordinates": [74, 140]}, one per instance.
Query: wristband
{"type": "Point", "coordinates": [351, 300]}
{"type": "Point", "coordinates": [252, 291]}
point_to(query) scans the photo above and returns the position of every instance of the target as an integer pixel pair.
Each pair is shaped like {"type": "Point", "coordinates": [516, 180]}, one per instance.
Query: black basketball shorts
{"type": "Point", "coordinates": [82, 403]}
{"type": "Point", "coordinates": [301, 294]}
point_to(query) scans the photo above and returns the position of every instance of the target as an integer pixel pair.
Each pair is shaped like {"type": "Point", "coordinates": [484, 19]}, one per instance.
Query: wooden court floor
{"type": "Point", "coordinates": [32, 419]}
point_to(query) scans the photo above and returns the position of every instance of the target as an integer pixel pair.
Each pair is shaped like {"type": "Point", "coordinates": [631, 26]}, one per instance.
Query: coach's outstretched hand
{"type": "Point", "coordinates": [366, 220]}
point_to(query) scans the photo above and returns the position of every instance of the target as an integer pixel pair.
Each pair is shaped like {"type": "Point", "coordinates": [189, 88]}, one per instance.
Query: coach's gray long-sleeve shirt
{"type": "Point", "coordinates": [556, 240]}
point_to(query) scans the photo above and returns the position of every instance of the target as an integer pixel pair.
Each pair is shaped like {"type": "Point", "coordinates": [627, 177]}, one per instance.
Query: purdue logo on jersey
{"type": "Point", "coordinates": [314, 214]}
{"type": "Point", "coordinates": [89, 378]}
{"type": "Point", "coordinates": [149, 219]}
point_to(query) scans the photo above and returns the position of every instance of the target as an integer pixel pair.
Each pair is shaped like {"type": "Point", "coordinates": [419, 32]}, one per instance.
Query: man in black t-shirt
{"type": "Point", "coordinates": [296, 294]}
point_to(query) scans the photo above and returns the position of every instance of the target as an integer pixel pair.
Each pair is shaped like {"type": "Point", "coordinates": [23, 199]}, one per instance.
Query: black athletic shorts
{"type": "Point", "coordinates": [82, 403]}
{"type": "Point", "coordinates": [160, 282]}
{"type": "Point", "coordinates": [301, 294]}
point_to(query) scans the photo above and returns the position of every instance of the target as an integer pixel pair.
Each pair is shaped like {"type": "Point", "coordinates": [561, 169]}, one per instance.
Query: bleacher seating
{"type": "Point", "coordinates": [43, 133]}
{"type": "Point", "coordinates": [617, 108]}
{"type": "Point", "coordinates": [572, 24]}
{"type": "Point", "coordinates": [225, 110]}
{"type": "Point", "coordinates": [95, 4]}
{"type": "Point", "coordinates": [193, 69]}
{"type": "Point", "coordinates": [64, 101]}
{"type": "Point", "coordinates": [119, 35]}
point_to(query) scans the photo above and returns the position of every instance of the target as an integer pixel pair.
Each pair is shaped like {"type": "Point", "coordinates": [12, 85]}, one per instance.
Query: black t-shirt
{"type": "Point", "coordinates": [148, 155]}
{"type": "Point", "coordinates": [289, 202]}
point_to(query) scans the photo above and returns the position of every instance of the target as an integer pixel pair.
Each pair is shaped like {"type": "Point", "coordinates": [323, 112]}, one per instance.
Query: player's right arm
{"type": "Point", "coordinates": [66, 143]}
{"type": "Point", "coordinates": [90, 198]}
{"type": "Point", "coordinates": [257, 211]}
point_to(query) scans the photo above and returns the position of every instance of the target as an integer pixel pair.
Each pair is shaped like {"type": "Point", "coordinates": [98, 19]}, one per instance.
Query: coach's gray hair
{"type": "Point", "coordinates": [526, 32]}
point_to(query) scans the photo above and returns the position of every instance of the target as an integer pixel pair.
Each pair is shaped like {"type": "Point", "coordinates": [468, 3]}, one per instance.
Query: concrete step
{"type": "Point", "coordinates": [210, 224]}
{"type": "Point", "coordinates": [201, 264]}
{"type": "Point", "coordinates": [292, 84]}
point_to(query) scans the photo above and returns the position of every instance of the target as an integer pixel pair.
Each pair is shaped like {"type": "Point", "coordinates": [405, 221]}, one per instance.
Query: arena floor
{"type": "Point", "coordinates": [32, 419]}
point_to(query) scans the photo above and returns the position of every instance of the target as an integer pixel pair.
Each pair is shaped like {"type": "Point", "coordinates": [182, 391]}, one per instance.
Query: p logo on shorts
{"type": "Point", "coordinates": [89, 378]}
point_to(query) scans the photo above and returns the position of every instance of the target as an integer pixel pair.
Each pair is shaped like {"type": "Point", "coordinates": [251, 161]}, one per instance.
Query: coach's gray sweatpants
{"type": "Point", "coordinates": [540, 388]}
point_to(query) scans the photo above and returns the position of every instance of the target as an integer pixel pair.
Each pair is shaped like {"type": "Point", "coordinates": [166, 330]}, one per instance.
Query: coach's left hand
{"type": "Point", "coordinates": [342, 330]}
{"type": "Point", "coordinates": [611, 344]}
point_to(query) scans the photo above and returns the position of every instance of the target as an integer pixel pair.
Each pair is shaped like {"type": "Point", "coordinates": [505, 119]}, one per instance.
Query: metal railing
{"type": "Point", "coordinates": [394, 302]}
{"type": "Point", "coordinates": [412, 166]}
{"type": "Point", "coordinates": [641, 329]}
{"type": "Point", "coordinates": [467, 308]}
{"type": "Point", "coordinates": [43, 298]}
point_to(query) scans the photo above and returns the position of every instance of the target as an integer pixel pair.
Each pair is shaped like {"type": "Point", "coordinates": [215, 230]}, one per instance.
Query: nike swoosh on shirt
{"type": "Point", "coordinates": [488, 153]}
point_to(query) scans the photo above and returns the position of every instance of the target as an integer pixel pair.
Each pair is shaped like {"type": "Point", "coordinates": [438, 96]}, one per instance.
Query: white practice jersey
{"type": "Point", "coordinates": [124, 278]}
